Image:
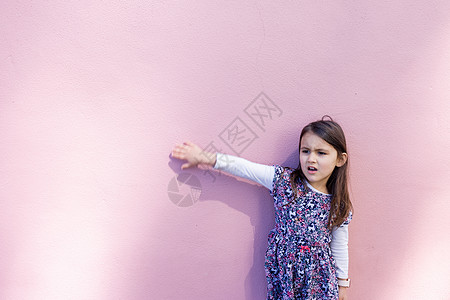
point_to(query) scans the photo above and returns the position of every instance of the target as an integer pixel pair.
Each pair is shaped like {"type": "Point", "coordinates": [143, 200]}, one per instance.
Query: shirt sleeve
{"type": "Point", "coordinates": [339, 249]}
{"type": "Point", "coordinates": [238, 166]}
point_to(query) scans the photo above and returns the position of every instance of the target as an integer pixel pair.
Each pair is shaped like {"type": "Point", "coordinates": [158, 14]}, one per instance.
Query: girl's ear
{"type": "Point", "coordinates": [341, 160]}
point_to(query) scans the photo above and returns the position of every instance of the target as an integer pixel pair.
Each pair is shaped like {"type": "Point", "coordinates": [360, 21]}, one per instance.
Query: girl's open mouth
{"type": "Point", "coordinates": [312, 170]}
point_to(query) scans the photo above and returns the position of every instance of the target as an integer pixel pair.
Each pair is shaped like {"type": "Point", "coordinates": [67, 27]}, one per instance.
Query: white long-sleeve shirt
{"type": "Point", "coordinates": [263, 175]}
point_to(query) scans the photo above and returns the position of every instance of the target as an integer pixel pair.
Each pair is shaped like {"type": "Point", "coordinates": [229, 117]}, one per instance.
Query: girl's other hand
{"type": "Point", "coordinates": [193, 154]}
{"type": "Point", "coordinates": [343, 293]}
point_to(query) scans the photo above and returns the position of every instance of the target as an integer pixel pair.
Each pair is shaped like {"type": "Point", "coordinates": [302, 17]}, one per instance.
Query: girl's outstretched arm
{"type": "Point", "coordinates": [238, 166]}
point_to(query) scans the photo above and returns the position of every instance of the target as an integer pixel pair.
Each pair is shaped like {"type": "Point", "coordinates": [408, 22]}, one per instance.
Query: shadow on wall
{"type": "Point", "coordinates": [253, 201]}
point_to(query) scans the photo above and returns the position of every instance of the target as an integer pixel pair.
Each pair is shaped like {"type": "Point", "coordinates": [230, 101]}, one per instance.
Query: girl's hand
{"type": "Point", "coordinates": [343, 293]}
{"type": "Point", "coordinates": [193, 154]}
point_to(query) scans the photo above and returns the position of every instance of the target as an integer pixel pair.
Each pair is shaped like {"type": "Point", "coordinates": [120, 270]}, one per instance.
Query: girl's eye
{"type": "Point", "coordinates": [322, 153]}
{"type": "Point", "coordinates": [305, 151]}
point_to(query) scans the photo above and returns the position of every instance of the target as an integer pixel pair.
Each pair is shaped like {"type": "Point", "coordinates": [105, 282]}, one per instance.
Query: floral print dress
{"type": "Point", "coordinates": [298, 262]}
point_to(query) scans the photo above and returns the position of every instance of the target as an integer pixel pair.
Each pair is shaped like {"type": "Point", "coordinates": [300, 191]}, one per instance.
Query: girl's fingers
{"type": "Point", "coordinates": [189, 144]}
{"type": "Point", "coordinates": [178, 153]}
{"type": "Point", "coordinates": [184, 151]}
{"type": "Point", "coordinates": [179, 148]}
{"type": "Point", "coordinates": [183, 147]}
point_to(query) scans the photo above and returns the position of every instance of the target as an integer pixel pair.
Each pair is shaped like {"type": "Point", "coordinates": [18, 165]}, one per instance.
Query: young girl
{"type": "Point", "coordinates": [307, 253]}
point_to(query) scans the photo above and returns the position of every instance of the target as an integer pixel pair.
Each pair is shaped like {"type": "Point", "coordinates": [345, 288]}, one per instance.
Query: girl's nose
{"type": "Point", "coordinates": [311, 158]}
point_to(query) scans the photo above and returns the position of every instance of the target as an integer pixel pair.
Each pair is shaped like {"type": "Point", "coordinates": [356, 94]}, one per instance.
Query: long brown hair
{"type": "Point", "coordinates": [337, 184]}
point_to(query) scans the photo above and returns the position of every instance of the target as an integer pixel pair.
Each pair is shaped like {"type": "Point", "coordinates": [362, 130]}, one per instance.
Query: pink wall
{"type": "Point", "coordinates": [94, 94]}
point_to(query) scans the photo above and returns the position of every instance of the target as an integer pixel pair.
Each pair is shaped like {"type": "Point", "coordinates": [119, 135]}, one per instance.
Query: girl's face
{"type": "Point", "coordinates": [318, 160]}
